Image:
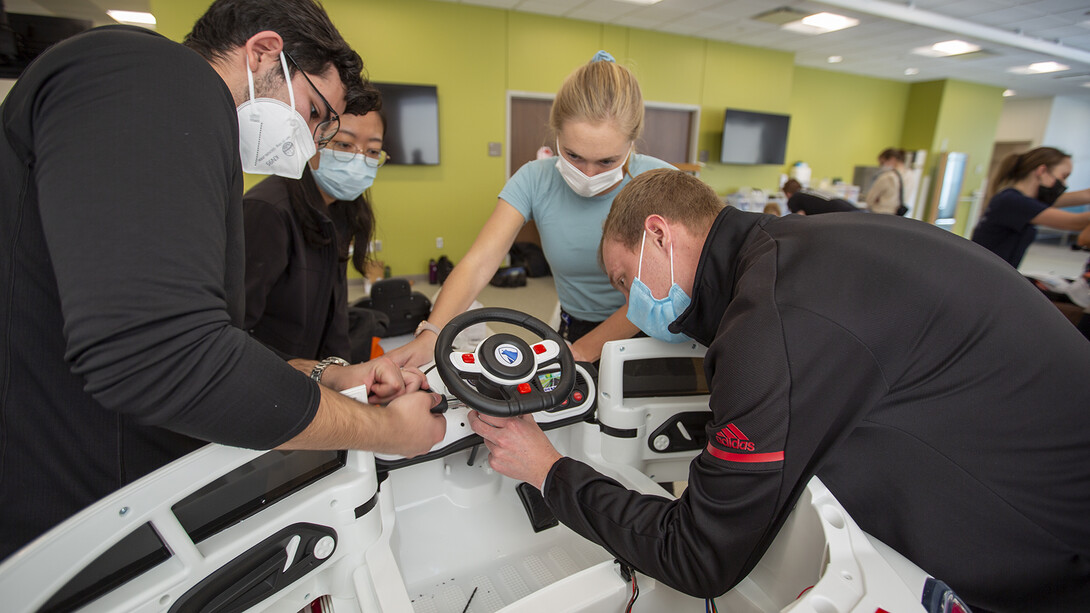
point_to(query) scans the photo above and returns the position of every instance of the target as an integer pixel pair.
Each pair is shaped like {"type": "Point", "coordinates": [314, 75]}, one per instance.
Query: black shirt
{"type": "Point", "coordinates": [1005, 227]}
{"type": "Point", "coordinates": [122, 269]}
{"type": "Point", "coordinates": [812, 202]}
{"type": "Point", "coordinates": [855, 347]}
{"type": "Point", "coordinates": [296, 292]}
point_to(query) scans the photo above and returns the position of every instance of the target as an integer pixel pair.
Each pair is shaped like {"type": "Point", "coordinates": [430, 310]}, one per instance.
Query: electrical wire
{"type": "Point", "coordinates": [635, 595]}
{"type": "Point", "coordinates": [709, 606]}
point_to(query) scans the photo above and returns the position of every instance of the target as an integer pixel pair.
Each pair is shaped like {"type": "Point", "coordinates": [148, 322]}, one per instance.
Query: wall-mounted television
{"type": "Point", "coordinates": [412, 123]}
{"type": "Point", "coordinates": [750, 137]}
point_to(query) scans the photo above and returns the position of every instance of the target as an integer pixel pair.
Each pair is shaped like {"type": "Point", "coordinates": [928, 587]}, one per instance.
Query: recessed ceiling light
{"type": "Point", "coordinates": [1087, 84]}
{"type": "Point", "coordinates": [834, 59]}
{"type": "Point", "coordinates": [136, 17]}
{"type": "Point", "coordinates": [1040, 68]}
{"type": "Point", "coordinates": [821, 23]}
{"type": "Point", "coordinates": [947, 48]}
{"type": "Point", "coordinates": [909, 72]}
{"type": "Point", "coordinates": [641, 1]}
{"type": "Point", "coordinates": [1007, 93]}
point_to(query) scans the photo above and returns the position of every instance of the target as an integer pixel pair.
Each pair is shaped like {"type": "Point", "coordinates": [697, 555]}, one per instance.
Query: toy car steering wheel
{"type": "Point", "coordinates": [505, 367]}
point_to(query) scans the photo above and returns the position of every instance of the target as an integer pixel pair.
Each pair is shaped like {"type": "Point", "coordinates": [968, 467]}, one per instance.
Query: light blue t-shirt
{"type": "Point", "coordinates": [571, 228]}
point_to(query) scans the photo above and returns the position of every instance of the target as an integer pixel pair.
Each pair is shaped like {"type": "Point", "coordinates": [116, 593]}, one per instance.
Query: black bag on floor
{"type": "Point", "coordinates": [405, 308]}
{"type": "Point", "coordinates": [512, 276]}
{"type": "Point", "coordinates": [363, 325]}
{"type": "Point", "coordinates": [531, 257]}
{"type": "Point", "coordinates": [443, 267]}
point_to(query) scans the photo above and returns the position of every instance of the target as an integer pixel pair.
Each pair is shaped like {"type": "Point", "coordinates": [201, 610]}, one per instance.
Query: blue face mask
{"type": "Point", "coordinates": [654, 315]}
{"type": "Point", "coordinates": [344, 180]}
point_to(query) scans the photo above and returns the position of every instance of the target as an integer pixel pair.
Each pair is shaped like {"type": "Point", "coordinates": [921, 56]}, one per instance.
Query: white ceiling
{"type": "Point", "coordinates": [92, 10]}
{"type": "Point", "coordinates": [877, 47]}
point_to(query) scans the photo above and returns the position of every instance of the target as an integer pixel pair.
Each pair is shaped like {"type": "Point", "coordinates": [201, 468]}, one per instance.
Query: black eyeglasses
{"type": "Point", "coordinates": [326, 130]}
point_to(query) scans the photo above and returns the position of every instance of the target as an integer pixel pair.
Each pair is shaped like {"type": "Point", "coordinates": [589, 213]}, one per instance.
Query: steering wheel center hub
{"type": "Point", "coordinates": [507, 358]}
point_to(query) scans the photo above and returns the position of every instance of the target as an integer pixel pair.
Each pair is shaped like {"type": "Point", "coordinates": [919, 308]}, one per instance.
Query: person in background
{"type": "Point", "coordinates": [959, 436]}
{"type": "Point", "coordinates": [299, 234]}
{"type": "Point", "coordinates": [773, 208]}
{"type": "Point", "coordinates": [1021, 197]}
{"type": "Point", "coordinates": [887, 193]}
{"type": "Point", "coordinates": [813, 202]}
{"type": "Point", "coordinates": [596, 118]}
{"type": "Point", "coordinates": [124, 268]}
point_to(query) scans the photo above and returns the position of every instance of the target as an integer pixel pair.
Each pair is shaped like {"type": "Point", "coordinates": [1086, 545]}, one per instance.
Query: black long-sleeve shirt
{"type": "Point", "coordinates": [296, 293]}
{"type": "Point", "coordinates": [940, 397]}
{"type": "Point", "coordinates": [122, 275]}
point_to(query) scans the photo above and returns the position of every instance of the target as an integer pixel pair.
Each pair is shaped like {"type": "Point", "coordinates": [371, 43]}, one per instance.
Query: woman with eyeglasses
{"type": "Point", "coordinates": [1027, 191]}
{"type": "Point", "coordinates": [299, 234]}
{"type": "Point", "coordinates": [595, 119]}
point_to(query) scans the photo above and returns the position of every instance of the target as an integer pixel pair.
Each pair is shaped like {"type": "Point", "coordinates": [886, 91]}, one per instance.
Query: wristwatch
{"type": "Point", "coordinates": [426, 325]}
{"type": "Point", "coordinates": [319, 368]}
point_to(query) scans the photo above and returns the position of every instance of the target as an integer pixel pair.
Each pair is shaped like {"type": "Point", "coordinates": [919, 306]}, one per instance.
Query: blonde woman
{"type": "Point", "coordinates": [596, 118]}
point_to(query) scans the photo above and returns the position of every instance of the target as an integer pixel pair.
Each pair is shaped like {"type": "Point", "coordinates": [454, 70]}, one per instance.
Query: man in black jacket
{"type": "Point", "coordinates": [854, 347]}
{"type": "Point", "coordinates": [122, 261]}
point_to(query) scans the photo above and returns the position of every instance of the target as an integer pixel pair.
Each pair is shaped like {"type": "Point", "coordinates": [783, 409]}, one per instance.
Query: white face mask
{"type": "Point", "coordinates": [273, 138]}
{"type": "Point", "coordinates": [582, 184]}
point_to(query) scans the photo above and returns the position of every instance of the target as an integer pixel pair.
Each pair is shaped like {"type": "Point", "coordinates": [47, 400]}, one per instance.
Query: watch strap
{"type": "Point", "coordinates": [426, 325]}
{"type": "Point", "coordinates": [319, 368]}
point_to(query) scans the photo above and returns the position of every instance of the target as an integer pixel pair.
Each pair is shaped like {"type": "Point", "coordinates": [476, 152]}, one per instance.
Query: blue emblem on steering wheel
{"type": "Point", "coordinates": [508, 355]}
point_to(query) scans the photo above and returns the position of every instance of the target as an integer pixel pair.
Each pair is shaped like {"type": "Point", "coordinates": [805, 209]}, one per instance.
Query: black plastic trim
{"type": "Point", "coordinates": [618, 432]}
{"type": "Point", "coordinates": [366, 507]}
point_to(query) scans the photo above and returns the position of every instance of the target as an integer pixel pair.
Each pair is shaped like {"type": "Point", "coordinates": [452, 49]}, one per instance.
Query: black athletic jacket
{"type": "Point", "coordinates": [938, 395]}
{"type": "Point", "coordinates": [121, 268]}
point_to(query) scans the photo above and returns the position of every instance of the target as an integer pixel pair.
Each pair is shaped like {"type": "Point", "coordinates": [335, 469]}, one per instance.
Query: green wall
{"type": "Point", "coordinates": [840, 121]}
{"type": "Point", "coordinates": [475, 55]}
{"type": "Point", "coordinates": [954, 116]}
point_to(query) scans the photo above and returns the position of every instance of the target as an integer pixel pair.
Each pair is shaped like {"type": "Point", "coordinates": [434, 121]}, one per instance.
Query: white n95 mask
{"type": "Point", "coordinates": [582, 184]}
{"type": "Point", "coordinates": [273, 138]}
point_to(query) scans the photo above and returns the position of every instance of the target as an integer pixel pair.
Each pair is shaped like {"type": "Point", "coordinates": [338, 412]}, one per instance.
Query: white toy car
{"type": "Point", "coordinates": [225, 530]}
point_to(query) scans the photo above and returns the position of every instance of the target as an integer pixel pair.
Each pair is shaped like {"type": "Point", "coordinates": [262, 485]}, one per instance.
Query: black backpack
{"type": "Point", "coordinates": [512, 276]}
{"type": "Point", "coordinates": [531, 257]}
{"type": "Point", "coordinates": [443, 267]}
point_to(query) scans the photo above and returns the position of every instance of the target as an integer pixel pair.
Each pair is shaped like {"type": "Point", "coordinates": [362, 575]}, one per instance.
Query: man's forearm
{"type": "Point", "coordinates": [343, 423]}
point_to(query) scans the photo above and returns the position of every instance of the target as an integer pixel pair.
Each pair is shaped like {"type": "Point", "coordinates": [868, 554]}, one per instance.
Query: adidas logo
{"type": "Point", "coordinates": [733, 438]}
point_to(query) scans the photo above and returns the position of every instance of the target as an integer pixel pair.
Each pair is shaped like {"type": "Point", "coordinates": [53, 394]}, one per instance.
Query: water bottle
{"type": "Point", "coordinates": [433, 272]}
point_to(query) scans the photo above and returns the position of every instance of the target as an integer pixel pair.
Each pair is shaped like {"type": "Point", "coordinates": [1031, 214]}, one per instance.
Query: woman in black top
{"type": "Point", "coordinates": [299, 238]}
{"type": "Point", "coordinates": [1023, 191]}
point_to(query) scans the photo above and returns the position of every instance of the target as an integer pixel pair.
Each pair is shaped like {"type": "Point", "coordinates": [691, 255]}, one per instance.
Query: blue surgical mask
{"type": "Point", "coordinates": [344, 180]}
{"type": "Point", "coordinates": [654, 315]}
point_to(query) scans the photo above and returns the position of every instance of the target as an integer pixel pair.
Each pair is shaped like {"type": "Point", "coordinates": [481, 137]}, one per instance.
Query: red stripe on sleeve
{"type": "Point", "coordinates": [776, 456]}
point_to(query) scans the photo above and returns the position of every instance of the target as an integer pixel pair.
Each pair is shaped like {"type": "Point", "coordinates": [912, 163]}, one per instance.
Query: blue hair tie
{"type": "Point", "coordinates": [603, 56]}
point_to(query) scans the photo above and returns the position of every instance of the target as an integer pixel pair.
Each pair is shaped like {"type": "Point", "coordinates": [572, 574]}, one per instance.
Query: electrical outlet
{"type": "Point", "coordinates": [376, 246]}
{"type": "Point", "coordinates": [495, 149]}
{"type": "Point", "coordinates": [438, 242]}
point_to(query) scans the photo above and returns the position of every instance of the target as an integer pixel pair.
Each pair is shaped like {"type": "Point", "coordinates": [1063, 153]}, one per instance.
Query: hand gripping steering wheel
{"type": "Point", "coordinates": [504, 366]}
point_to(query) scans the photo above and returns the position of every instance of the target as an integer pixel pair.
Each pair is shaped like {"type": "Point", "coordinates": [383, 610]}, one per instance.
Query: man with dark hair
{"type": "Point", "coordinates": [123, 266]}
{"type": "Point", "coordinates": [958, 436]}
{"type": "Point", "coordinates": [812, 202]}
